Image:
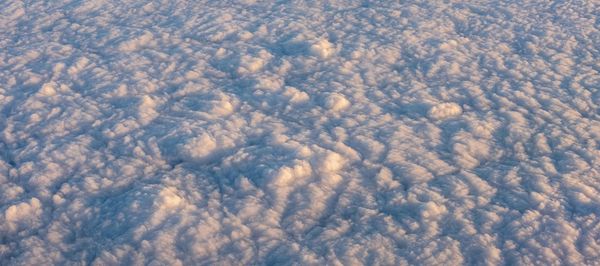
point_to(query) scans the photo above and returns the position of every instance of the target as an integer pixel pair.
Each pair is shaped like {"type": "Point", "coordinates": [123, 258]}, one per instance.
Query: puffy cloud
{"type": "Point", "coordinates": [24, 215]}
{"type": "Point", "coordinates": [322, 48]}
{"type": "Point", "coordinates": [325, 133]}
{"type": "Point", "coordinates": [336, 102]}
{"type": "Point", "coordinates": [444, 110]}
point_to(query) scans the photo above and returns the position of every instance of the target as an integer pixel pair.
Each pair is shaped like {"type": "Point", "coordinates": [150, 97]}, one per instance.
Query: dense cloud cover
{"type": "Point", "coordinates": [312, 132]}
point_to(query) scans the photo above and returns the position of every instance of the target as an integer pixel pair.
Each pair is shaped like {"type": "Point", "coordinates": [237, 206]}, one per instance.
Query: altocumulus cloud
{"type": "Point", "coordinates": [288, 132]}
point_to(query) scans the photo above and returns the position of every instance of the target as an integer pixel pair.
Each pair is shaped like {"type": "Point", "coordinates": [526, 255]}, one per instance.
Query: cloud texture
{"type": "Point", "coordinates": [175, 132]}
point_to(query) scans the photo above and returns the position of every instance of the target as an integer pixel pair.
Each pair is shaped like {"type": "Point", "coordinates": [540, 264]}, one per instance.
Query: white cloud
{"type": "Point", "coordinates": [322, 48]}
{"type": "Point", "coordinates": [324, 133]}
{"type": "Point", "coordinates": [336, 102]}
{"type": "Point", "coordinates": [25, 215]}
{"type": "Point", "coordinates": [444, 110]}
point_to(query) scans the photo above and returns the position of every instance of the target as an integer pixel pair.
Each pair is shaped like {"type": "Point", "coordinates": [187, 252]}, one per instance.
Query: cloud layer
{"type": "Point", "coordinates": [277, 132]}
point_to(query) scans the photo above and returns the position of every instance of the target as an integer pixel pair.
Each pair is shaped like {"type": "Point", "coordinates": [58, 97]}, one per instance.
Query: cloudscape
{"type": "Point", "coordinates": [289, 132]}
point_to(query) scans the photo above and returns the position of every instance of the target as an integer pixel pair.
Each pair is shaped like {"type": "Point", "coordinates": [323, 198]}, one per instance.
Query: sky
{"type": "Point", "coordinates": [341, 132]}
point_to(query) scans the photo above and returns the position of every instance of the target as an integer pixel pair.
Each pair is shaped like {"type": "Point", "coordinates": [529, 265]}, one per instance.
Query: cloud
{"type": "Point", "coordinates": [345, 132]}
{"type": "Point", "coordinates": [444, 110]}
